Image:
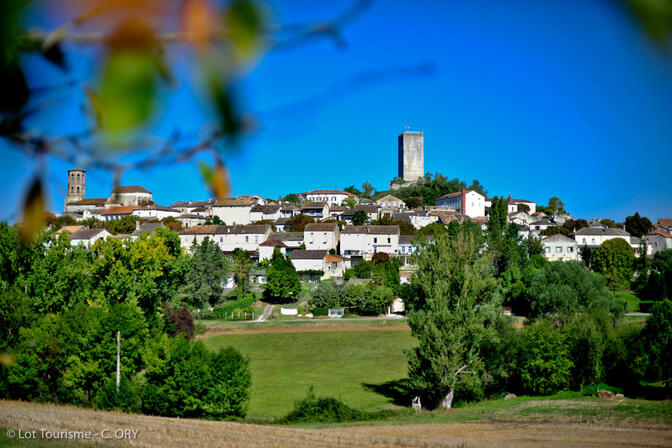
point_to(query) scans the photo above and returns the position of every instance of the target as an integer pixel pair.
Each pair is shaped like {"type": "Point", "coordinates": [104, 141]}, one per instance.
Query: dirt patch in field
{"type": "Point", "coordinates": [304, 328]}
{"type": "Point", "coordinates": [172, 432]}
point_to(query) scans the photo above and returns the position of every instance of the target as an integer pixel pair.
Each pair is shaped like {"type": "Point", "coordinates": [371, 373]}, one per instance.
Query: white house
{"type": "Point", "coordinates": [657, 241]}
{"type": "Point", "coordinates": [317, 210]}
{"type": "Point", "coordinates": [190, 220]}
{"type": "Point", "coordinates": [85, 205]}
{"type": "Point", "coordinates": [289, 209]}
{"type": "Point", "coordinates": [331, 197]}
{"type": "Point", "coordinates": [87, 237]}
{"type": "Point", "coordinates": [228, 238]}
{"type": "Point", "coordinates": [269, 212]}
{"type": "Point", "coordinates": [560, 247]}
{"type": "Point", "coordinates": [291, 240]}
{"type": "Point", "coordinates": [466, 202]}
{"type": "Point", "coordinates": [155, 212]}
{"type": "Point", "coordinates": [188, 207]}
{"type": "Point", "coordinates": [332, 266]}
{"type": "Point", "coordinates": [267, 248]}
{"type": "Point", "coordinates": [594, 237]}
{"type": "Point", "coordinates": [391, 201]}
{"type": "Point", "coordinates": [119, 212]}
{"type": "Point", "coordinates": [321, 236]}
{"type": "Point", "coordinates": [364, 241]}
{"type": "Point", "coordinates": [539, 226]}
{"type": "Point", "coordinates": [130, 195]}
{"type": "Point", "coordinates": [233, 211]}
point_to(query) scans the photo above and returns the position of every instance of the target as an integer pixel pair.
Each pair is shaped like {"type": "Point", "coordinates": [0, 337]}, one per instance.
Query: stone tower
{"type": "Point", "coordinates": [76, 185]}
{"type": "Point", "coordinates": [411, 156]}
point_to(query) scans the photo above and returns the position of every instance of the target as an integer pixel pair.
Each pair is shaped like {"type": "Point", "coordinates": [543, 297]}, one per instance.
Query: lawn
{"type": "Point", "coordinates": [339, 364]}
{"type": "Point", "coordinates": [631, 300]}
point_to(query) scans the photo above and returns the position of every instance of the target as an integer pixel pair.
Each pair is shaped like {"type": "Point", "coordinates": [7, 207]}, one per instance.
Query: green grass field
{"type": "Point", "coordinates": [336, 363]}
{"type": "Point", "coordinates": [631, 300]}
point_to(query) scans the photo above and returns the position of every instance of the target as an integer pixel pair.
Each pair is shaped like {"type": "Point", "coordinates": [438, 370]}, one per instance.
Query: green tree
{"type": "Point", "coordinates": [555, 205]}
{"type": "Point", "coordinates": [292, 197]}
{"type": "Point", "coordinates": [242, 264]}
{"type": "Point", "coordinates": [298, 222]}
{"type": "Point", "coordinates": [352, 189]}
{"type": "Point", "coordinates": [609, 223]}
{"type": "Point", "coordinates": [657, 338]}
{"type": "Point", "coordinates": [360, 218]}
{"type": "Point", "coordinates": [208, 270]}
{"type": "Point", "coordinates": [545, 362]}
{"type": "Point", "coordinates": [453, 301]}
{"type": "Point", "coordinates": [523, 208]}
{"type": "Point", "coordinates": [413, 202]}
{"type": "Point", "coordinates": [637, 225]}
{"type": "Point", "coordinates": [615, 259]}
{"type": "Point", "coordinates": [367, 190]}
{"type": "Point", "coordinates": [325, 295]}
{"type": "Point", "coordinates": [125, 225]}
{"type": "Point", "coordinates": [350, 203]}
{"type": "Point", "coordinates": [282, 280]}
{"type": "Point", "coordinates": [562, 288]}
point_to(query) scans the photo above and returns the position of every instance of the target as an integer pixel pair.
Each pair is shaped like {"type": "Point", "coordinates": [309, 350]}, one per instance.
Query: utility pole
{"type": "Point", "coordinates": [118, 357]}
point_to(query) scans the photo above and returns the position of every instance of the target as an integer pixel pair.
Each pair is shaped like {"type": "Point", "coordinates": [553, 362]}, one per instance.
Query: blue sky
{"type": "Point", "coordinates": [533, 99]}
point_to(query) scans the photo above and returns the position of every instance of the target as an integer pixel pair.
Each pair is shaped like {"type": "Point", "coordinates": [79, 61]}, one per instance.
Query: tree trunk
{"type": "Point", "coordinates": [447, 402]}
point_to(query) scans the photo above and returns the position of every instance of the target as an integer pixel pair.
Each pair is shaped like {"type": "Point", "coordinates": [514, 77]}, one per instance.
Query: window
{"type": "Point", "coordinates": [375, 240]}
{"type": "Point", "coordinates": [570, 250]}
{"type": "Point", "coordinates": [558, 250]}
{"type": "Point", "coordinates": [247, 239]}
{"type": "Point", "coordinates": [592, 241]}
{"type": "Point", "coordinates": [389, 240]}
{"type": "Point", "coordinates": [221, 239]}
{"type": "Point", "coordinates": [547, 250]}
{"type": "Point", "coordinates": [584, 241]}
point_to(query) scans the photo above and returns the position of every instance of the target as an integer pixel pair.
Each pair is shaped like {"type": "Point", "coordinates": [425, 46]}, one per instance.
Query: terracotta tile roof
{"type": "Point", "coordinates": [266, 209]}
{"type": "Point", "coordinates": [70, 229]}
{"type": "Point", "coordinates": [456, 194]}
{"type": "Point", "coordinates": [231, 202]}
{"type": "Point", "coordinates": [333, 258]}
{"type": "Point", "coordinates": [121, 210]}
{"type": "Point", "coordinates": [90, 201]}
{"type": "Point", "coordinates": [200, 230]}
{"type": "Point", "coordinates": [374, 230]}
{"type": "Point", "coordinates": [665, 222]}
{"type": "Point", "coordinates": [130, 189]}
{"type": "Point", "coordinates": [660, 233]}
{"type": "Point", "coordinates": [321, 227]}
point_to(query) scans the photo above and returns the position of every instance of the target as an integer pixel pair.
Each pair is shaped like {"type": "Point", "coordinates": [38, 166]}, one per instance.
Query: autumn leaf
{"type": "Point", "coordinates": [216, 179]}
{"type": "Point", "coordinates": [33, 211]}
{"type": "Point", "coordinates": [198, 22]}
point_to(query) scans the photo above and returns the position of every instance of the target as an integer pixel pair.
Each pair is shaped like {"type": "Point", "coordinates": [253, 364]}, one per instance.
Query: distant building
{"type": "Point", "coordinates": [560, 247]}
{"type": "Point", "coordinates": [331, 197]}
{"type": "Point", "coordinates": [364, 241]}
{"type": "Point", "coordinates": [76, 187]}
{"type": "Point", "coordinates": [391, 201]}
{"type": "Point", "coordinates": [130, 195]}
{"type": "Point", "coordinates": [332, 266]}
{"type": "Point", "coordinates": [118, 212]}
{"type": "Point", "coordinates": [317, 210]}
{"type": "Point", "coordinates": [656, 241]}
{"type": "Point", "coordinates": [87, 237]}
{"type": "Point", "coordinates": [411, 148]}
{"type": "Point", "coordinates": [321, 236]}
{"type": "Point", "coordinates": [466, 202]}
{"type": "Point", "coordinates": [233, 211]}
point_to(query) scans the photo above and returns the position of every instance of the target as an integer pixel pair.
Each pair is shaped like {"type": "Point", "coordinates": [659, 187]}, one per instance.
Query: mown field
{"type": "Point", "coordinates": [348, 364]}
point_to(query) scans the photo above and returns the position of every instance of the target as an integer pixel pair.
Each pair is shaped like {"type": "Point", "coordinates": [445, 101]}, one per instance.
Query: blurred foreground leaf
{"type": "Point", "coordinates": [13, 87]}
{"type": "Point", "coordinates": [244, 21]}
{"type": "Point", "coordinates": [216, 179]}
{"type": "Point", "coordinates": [655, 16]}
{"type": "Point", "coordinates": [33, 211]}
{"type": "Point", "coordinates": [129, 78]}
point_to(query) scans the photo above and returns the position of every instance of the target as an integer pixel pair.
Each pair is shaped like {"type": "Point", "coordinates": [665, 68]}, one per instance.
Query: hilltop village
{"type": "Point", "coordinates": [326, 231]}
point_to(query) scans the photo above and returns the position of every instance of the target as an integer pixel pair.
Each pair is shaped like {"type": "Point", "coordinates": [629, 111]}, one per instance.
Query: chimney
{"type": "Point", "coordinates": [464, 201]}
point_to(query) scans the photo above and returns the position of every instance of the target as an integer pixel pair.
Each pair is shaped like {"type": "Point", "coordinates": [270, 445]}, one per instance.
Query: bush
{"type": "Point", "coordinates": [645, 306]}
{"type": "Point", "coordinates": [325, 295]}
{"type": "Point", "coordinates": [127, 399]}
{"type": "Point", "coordinates": [545, 359]}
{"type": "Point", "coordinates": [319, 311]}
{"type": "Point", "coordinates": [325, 410]}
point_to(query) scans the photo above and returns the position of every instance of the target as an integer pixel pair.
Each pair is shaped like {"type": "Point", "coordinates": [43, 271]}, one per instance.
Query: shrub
{"type": "Point", "coordinates": [319, 311]}
{"type": "Point", "coordinates": [325, 295]}
{"type": "Point", "coordinates": [127, 399]}
{"type": "Point", "coordinates": [545, 360]}
{"type": "Point", "coordinates": [324, 409]}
